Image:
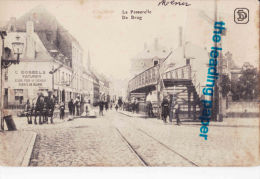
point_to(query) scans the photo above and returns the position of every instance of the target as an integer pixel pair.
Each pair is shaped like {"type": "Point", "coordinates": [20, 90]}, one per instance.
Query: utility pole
{"type": "Point", "coordinates": [218, 88]}
{"type": "Point", "coordinates": [2, 105]}
{"type": "Point", "coordinates": [158, 87]}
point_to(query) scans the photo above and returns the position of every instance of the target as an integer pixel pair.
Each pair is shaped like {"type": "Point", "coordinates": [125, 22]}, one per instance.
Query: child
{"type": "Point", "coordinates": [62, 109]}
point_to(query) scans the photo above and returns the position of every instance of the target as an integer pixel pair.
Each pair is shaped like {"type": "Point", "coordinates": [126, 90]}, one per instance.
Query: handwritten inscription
{"type": "Point", "coordinates": [173, 2]}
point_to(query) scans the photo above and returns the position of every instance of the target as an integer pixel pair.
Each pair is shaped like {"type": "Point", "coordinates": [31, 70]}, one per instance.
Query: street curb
{"type": "Point", "coordinates": [27, 156]}
{"type": "Point", "coordinates": [143, 117]}
{"type": "Point", "coordinates": [125, 114]}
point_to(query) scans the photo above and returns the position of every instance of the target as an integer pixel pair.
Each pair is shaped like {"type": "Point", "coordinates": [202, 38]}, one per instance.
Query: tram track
{"type": "Point", "coordinates": [139, 157]}
{"type": "Point", "coordinates": [165, 146]}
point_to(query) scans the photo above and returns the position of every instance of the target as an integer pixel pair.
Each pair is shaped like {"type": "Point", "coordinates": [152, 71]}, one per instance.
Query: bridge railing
{"type": "Point", "coordinates": [150, 76]}
{"type": "Point", "coordinates": [180, 73]}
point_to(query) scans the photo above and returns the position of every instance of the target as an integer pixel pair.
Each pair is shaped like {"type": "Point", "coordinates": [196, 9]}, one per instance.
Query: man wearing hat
{"type": "Point", "coordinates": [165, 108]}
{"type": "Point", "coordinates": [39, 108]}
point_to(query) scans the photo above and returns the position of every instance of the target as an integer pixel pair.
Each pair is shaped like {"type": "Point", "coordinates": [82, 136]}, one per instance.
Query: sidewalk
{"type": "Point", "coordinates": [16, 147]}
{"type": "Point", "coordinates": [227, 122]}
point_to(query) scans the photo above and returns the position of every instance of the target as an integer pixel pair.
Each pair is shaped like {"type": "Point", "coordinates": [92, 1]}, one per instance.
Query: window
{"type": "Point", "coordinates": [19, 99]}
{"type": "Point", "coordinates": [187, 61]}
{"type": "Point", "coordinates": [6, 74]}
{"type": "Point", "coordinates": [55, 77]}
{"type": "Point", "coordinates": [58, 76]}
{"type": "Point", "coordinates": [155, 62]}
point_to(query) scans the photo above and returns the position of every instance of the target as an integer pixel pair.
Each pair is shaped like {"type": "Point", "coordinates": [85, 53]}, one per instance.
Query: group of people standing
{"type": "Point", "coordinates": [43, 108]}
{"type": "Point", "coordinates": [170, 108]}
{"type": "Point", "coordinates": [74, 106]}
{"type": "Point", "coordinates": [103, 104]}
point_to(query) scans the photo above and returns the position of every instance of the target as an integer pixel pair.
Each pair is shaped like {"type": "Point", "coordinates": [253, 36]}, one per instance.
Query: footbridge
{"type": "Point", "coordinates": [179, 81]}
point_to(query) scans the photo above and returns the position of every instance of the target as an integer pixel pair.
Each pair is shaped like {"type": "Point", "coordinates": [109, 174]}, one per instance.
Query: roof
{"type": "Point", "coordinates": [52, 34]}
{"type": "Point", "coordinates": [152, 51]}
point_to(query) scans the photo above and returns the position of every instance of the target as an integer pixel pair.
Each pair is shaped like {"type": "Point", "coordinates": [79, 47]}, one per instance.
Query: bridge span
{"type": "Point", "coordinates": [179, 81]}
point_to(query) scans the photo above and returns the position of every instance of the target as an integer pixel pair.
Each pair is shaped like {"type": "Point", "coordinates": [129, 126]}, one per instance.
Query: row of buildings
{"type": "Point", "coordinates": [52, 60]}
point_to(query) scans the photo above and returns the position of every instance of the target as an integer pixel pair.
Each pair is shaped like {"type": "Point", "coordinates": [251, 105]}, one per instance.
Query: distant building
{"type": "Point", "coordinates": [52, 60]}
{"type": "Point", "coordinates": [103, 86]}
{"type": "Point", "coordinates": [151, 55]}
{"type": "Point", "coordinates": [230, 68]}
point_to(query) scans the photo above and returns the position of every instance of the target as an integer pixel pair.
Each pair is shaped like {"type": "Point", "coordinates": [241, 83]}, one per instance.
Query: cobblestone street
{"type": "Point", "coordinates": [119, 140]}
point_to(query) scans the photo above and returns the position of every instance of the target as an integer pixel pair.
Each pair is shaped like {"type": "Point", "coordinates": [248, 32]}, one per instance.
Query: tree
{"type": "Point", "coordinates": [225, 85]}
{"type": "Point", "coordinates": [247, 85]}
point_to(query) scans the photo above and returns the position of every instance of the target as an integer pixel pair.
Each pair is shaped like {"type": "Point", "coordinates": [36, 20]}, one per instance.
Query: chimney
{"type": "Point", "coordinates": [156, 43]}
{"type": "Point", "coordinates": [180, 36]}
{"type": "Point", "coordinates": [29, 27]}
{"type": "Point", "coordinates": [30, 43]}
{"type": "Point", "coordinates": [12, 25]}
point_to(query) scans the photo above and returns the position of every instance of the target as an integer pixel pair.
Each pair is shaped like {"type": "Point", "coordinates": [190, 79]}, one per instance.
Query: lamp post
{"type": "Point", "coordinates": [6, 61]}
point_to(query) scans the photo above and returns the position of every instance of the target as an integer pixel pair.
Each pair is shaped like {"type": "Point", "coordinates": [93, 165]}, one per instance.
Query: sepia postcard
{"type": "Point", "coordinates": [129, 83]}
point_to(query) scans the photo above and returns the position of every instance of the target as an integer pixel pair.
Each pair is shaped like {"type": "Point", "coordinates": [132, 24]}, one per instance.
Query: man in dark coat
{"type": "Point", "coordinates": [177, 112]}
{"type": "Point", "coordinates": [165, 109]}
{"type": "Point", "coordinates": [70, 106]}
{"type": "Point", "coordinates": [39, 108]}
{"type": "Point", "coordinates": [120, 102]}
{"type": "Point", "coordinates": [62, 110]}
{"type": "Point", "coordinates": [101, 107]}
{"type": "Point", "coordinates": [77, 105]}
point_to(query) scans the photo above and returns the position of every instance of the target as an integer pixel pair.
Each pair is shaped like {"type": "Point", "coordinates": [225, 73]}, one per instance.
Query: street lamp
{"type": "Point", "coordinates": [6, 54]}
{"type": "Point", "coordinates": [18, 48]}
{"type": "Point", "coordinates": [6, 61]}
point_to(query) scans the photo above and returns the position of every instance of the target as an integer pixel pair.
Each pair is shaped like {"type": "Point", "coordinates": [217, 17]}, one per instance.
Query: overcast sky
{"type": "Point", "coordinates": [112, 42]}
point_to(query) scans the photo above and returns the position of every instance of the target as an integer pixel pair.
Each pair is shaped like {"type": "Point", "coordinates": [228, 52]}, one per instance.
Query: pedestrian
{"type": "Point", "coordinates": [39, 108]}
{"type": "Point", "coordinates": [111, 105]}
{"type": "Point", "coordinates": [177, 112]}
{"type": "Point", "coordinates": [134, 105]}
{"type": "Point", "coordinates": [120, 102]}
{"type": "Point", "coordinates": [77, 105]}
{"type": "Point", "coordinates": [149, 109]}
{"type": "Point", "coordinates": [106, 106]}
{"type": "Point", "coordinates": [165, 109]}
{"type": "Point", "coordinates": [73, 108]}
{"type": "Point", "coordinates": [116, 107]}
{"type": "Point", "coordinates": [101, 107]}
{"type": "Point", "coordinates": [149, 106]}
{"type": "Point", "coordinates": [137, 106]}
{"type": "Point", "coordinates": [27, 110]}
{"type": "Point", "coordinates": [70, 106]}
{"type": "Point", "coordinates": [62, 110]}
